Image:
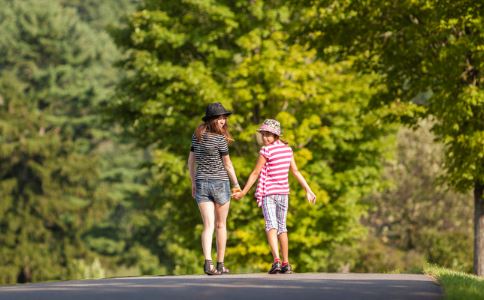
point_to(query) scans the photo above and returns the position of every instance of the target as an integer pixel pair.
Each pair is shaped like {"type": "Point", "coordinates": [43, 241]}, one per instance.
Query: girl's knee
{"type": "Point", "coordinates": [281, 231]}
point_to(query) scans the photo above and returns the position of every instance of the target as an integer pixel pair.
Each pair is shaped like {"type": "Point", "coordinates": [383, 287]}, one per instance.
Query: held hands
{"type": "Point", "coordinates": [237, 193]}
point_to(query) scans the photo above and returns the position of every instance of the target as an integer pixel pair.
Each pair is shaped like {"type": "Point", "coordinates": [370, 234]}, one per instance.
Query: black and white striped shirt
{"type": "Point", "coordinates": [208, 156]}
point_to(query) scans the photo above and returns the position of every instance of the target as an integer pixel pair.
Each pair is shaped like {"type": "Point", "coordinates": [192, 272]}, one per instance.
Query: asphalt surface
{"type": "Point", "coordinates": [241, 286]}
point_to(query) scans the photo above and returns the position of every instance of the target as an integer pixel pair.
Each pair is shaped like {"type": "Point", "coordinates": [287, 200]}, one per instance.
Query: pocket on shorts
{"type": "Point", "coordinates": [220, 186]}
{"type": "Point", "coordinates": [221, 191]}
{"type": "Point", "coordinates": [202, 191]}
{"type": "Point", "coordinates": [199, 187]}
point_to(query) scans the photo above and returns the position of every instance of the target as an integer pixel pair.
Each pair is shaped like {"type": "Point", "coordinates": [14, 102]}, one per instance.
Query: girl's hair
{"type": "Point", "coordinates": [276, 137]}
{"type": "Point", "coordinates": [210, 126]}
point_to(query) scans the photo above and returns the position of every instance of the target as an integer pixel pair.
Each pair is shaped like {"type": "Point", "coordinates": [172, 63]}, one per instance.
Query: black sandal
{"type": "Point", "coordinates": [209, 269]}
{"type": "Point", "coordinates": [222, 269]}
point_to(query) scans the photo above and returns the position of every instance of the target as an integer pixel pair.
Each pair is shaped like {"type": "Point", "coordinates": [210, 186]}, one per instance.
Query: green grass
{"type": "Point", "coordinates": [457, 285]}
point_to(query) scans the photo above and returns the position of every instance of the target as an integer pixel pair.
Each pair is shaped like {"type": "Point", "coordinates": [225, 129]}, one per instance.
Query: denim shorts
{"type": "Point", "coordinates": [212, 190]}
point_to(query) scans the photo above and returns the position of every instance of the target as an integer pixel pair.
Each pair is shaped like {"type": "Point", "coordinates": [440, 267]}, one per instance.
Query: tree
{"type": "Point", "coordinates": [121, 237]}
{"type": "Point", "coordinates": [182, 57]}
{"type": "Point", "coordinates": [429, 55]}
{"type": "Point", "coordinates": [54, 75]}
{"type": "Point", "coordinates": [412, 214]}
{"type": "Point", "coordinates": [101, 15]}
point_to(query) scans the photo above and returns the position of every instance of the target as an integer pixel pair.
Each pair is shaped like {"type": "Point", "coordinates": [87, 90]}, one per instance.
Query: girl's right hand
{"type": "Point", "coordinates": [311, 197]}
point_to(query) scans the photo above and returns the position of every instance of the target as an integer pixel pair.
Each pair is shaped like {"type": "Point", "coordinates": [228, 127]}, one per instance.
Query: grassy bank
{"type": "Point", "coordinates": [457, 285]}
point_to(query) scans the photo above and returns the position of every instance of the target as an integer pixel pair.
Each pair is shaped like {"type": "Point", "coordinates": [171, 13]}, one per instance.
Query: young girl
{"type": "Point", "coordinates": [210, 170]}
{"type": "Point", "coordinates": [272, 193]}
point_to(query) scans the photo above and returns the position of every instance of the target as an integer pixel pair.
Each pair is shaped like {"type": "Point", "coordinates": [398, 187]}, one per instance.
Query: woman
{"type": "Point", "coordinates": [210, 171]}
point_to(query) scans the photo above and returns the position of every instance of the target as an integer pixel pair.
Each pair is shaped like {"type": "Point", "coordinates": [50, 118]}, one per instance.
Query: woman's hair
{"type": "Point", "coordinates": [210, 126]}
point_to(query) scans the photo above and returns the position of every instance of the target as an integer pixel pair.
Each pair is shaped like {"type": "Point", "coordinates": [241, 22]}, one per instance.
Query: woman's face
{"type": "Point", "coordinates": [267, 138]}
{"type": "Point", "coordinates": [221, 121]}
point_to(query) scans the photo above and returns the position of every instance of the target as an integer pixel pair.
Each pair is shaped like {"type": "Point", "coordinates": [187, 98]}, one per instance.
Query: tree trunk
{"type": "Point", "coordinates": [478, 229]}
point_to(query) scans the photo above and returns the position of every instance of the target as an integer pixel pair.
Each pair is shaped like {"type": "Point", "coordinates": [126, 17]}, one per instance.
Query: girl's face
{"type": "Point", "coordinates": [221, 121]}
{"type": "Point", "coordinates": [267, 138]}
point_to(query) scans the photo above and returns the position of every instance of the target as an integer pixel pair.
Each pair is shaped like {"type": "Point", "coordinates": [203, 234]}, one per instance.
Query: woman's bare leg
{"type": "Point", "coordinates": [221, 213]}
{"type": "Point", "coordinates": [207, 211]}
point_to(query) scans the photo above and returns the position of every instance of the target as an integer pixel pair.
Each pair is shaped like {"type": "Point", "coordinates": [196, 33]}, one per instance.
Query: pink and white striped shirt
{"type": "Point", "coordinates": [273, 178]}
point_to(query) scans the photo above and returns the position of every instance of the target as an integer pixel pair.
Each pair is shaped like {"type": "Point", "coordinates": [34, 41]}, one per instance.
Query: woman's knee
{"type": "Point", "coordinates": [220, 225]}
{"type": "Point", "coordinates": [208, 226]}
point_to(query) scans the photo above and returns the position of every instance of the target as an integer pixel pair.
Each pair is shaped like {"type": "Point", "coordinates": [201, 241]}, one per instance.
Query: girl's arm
{"type": "Point", "coordinates": [191, 169]}
{"type": "Point", "coordinates": [252, 177]}
{"type": "Point", "coordinates": [310, 196]}
{"type": "Point", "coordinates": [230, 170]}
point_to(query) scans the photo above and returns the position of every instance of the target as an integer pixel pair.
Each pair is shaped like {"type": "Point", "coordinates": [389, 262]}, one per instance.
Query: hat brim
{"type": "Point", "coordinates": [268, 130]}
{"type": "Point", "coordinates": [206, 118]}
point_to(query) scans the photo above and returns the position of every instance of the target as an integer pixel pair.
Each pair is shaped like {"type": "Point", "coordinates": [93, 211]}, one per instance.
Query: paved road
{"type": "Point", "coordinates": [241, 286]}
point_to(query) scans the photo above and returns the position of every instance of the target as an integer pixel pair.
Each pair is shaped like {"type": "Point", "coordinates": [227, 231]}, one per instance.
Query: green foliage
{"type": "Point", "coordinates": [81, 270]}
{"type": "Point", "coordinates": [373, 255]}
{"type": "Point", "coordinates": [416, 214]}
{"type": "Point", "coordinates": [182, 56]}
{"type": "Point", "coordinates": [430, 55]}
{"type": "Point", "coordinates": [49, 190]}
{"type": "Point", "coordinates": [76, 203]}
{"type": "Point", "coordinates": [54, 77]}
{"type": "Point", "coordinates": [101, 15]}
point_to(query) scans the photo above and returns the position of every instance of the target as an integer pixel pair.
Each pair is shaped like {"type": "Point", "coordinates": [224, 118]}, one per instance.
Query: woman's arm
{"type": "Point", "coordinates": [311, 197]}
{"type": "Point", "coordinates": [252, 177]}
{"type": "Point", "coordinates": [191, 169]}
{"type": "Point", "coordinates": [230, 170]}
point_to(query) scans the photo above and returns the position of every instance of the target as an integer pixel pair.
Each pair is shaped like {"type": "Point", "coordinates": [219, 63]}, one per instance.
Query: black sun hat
{"type": "Point", "coordinates": [214, 110]}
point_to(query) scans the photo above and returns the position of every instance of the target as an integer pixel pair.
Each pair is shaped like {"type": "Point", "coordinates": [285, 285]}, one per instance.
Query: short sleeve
{"type": "Point", "coordinates": [223, 147]}
{"type": "Point", "coordinates": [265, 152]}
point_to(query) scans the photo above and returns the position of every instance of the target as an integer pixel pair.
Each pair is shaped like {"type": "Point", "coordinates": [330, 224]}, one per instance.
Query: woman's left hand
{"type": "Point", "coordinates": [238, 195]}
